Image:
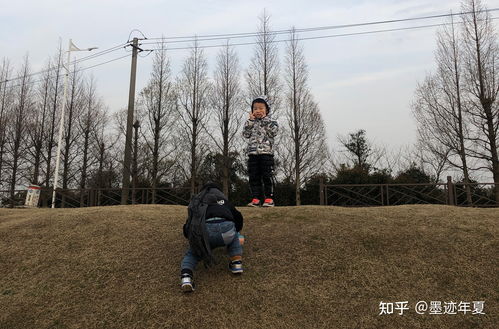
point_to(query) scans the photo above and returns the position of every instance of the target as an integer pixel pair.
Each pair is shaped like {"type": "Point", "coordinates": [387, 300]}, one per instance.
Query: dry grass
{"type": "Point", "coordinates": [305, 267]}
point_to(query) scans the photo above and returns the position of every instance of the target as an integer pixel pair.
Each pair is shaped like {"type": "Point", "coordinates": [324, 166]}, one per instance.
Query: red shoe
{"type": "Point", "coordinates": [268, 203]}
{"type": "Point", "coordinates": [254, 203]}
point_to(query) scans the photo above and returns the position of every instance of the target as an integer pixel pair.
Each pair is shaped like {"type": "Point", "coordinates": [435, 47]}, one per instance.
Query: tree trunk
{"type": "Point", "coordinates": [193, 159]}
{"type": "Point", "coordinates": [491, 134]}
{"type": "Point", "coordinates": [225, 153]}
{"type": "Point", "coordinates": [4, 126]}
{"type": "Point", "coordinates": [83, 180]}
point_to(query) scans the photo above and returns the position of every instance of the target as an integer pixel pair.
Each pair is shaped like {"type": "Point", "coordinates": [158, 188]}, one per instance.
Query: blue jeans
{"type": "Point", "coordinates": [220, 235]}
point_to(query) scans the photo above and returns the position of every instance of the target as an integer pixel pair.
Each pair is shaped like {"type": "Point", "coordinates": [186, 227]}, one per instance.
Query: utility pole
{"type": "Point", "coordinates": [129, 125]}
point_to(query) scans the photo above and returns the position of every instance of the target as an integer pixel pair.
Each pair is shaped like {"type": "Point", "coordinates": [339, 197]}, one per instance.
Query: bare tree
{"type": "Point", "coordinates": [227, 103]}
{"type": "Point", "coordinates": [308, 148]}
{"type": "Point", "coordinates": [430, 160]}
{"type": "Point", "coordinates": [193, 90]}
{"type": "Point", "coordinates": [119, 120]}
{"type": "Point", "coordinates": [482, 80]}
{"type": "Point", "coordinates": [103, 145]}
{"type": "Point", "coordinates": [262, 75]}
{"type": "Point", "coordinates": [263, 80]}
{"type": "Point", "coordinates": [37, 124]}
{"type": "Point", "coordinates": [392, 160]}
{"type": "Point", "coordinates": [71, 135]}
{"type": "Point", "coordinates": [439, 106]}
{"type": "Point", "coordinates": [16, 131]}
{"type": "Point", "coordinates": [5, 100]}
{"type": "Point", "coordinates": [158, 103]}
{"type": "Point", "coordinates": [88, 122]}
{"type": "Point", "coordinates": [141, 151]}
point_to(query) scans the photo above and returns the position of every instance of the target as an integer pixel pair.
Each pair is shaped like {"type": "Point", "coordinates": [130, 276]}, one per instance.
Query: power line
{"type": "Point", "coordinates": [101, 53]}
{"type": "Point", "coordinates": [75, 71]}
{"type": "Point", "coordinates": [103, 63]}
{"type": "Point", "coordinates": [250, 43]}
{"type": "Point", "coordinates": [253, 34]}
{"type": "Point", "coordinates": [135, 30]}
{"type": "Point", "coordinates": [308, 38]}
{"type": "Point", "coordinates": [284, 40]}
{"type": "Point", "coordinates": [82, 59]}
{"type": "Point", "coordinates": [309, 29]}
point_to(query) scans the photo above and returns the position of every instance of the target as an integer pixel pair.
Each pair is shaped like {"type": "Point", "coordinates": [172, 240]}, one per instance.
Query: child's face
{"type": "Point", "coordinates": [259, 110]}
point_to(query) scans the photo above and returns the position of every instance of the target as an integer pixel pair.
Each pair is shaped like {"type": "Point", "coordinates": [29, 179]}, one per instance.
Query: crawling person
{"type": "Point", "coordinates": [212, 222]}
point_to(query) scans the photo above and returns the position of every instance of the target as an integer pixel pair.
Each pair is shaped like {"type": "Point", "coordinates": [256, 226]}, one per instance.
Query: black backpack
{"type": "Point", "coordinates": [195, 228]}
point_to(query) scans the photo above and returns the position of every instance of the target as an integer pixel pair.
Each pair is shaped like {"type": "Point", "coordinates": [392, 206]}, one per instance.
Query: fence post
{"type": "Point", "coordinates": [321, 190]}
{"type": "Point", "coordinates": [43, 198]}
{"type": "Point", "coordinates": [450, 192]}
{"type": "Point", "coordinates": [90, 197]}
{"type": "Point", "coordinates": [382, 195]}
{"type": "Point", "coordinates": [387, 194]}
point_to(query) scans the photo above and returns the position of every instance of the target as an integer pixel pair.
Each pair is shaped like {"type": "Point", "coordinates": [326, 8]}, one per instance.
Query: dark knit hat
{"type": "Point", "coordinates": [261, 100]}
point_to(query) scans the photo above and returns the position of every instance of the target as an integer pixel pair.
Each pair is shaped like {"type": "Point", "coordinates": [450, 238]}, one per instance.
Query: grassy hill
{"type": "Point", "coordinates": [305, 267]}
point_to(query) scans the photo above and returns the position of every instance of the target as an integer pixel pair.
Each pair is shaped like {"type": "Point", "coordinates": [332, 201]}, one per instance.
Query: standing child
{"type": "Point", "coordinates": [260, 131]}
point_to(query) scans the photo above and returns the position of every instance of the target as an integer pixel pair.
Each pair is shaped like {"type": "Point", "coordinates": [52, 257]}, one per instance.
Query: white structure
{"type": "Point", "coordinates": [32, 196]}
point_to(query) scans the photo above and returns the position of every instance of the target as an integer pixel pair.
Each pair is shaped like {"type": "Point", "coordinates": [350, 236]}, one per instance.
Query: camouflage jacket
{"type": "Point", "coordinates": [260, 134]}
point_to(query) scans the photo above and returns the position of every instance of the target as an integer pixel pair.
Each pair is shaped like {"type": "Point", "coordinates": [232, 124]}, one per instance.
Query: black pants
{"type": "Point", "coordinates": [261, 170]}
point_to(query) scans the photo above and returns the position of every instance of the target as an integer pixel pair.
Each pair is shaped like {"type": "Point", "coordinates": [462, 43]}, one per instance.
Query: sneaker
{"type": "Point", "coordinates": [254, 203]}
{"type": "Point", "coordinates": [186, 283]}
{"type": "Point", "coordinates": [268, 203]}
{"type": "Point", "coordinates": [236, 266]}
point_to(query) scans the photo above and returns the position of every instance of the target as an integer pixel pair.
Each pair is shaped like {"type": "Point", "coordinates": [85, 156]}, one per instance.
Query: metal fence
{"type": "Point", "coordinates": [363, 195]}
{"type": "Point", "coordinates": [73, 198]}
{"type": "Point", "coordinates": [349, 195]}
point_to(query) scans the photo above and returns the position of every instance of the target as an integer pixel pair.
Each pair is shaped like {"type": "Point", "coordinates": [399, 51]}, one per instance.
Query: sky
{"type": "Point", "coordinates": [360, 82]}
